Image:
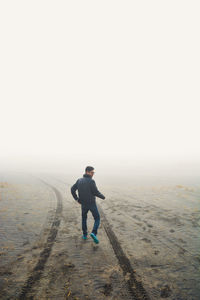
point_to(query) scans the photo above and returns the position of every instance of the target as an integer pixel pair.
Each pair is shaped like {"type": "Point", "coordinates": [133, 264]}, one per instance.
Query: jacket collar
{"type": "Point", "coordinates": [86, 175]}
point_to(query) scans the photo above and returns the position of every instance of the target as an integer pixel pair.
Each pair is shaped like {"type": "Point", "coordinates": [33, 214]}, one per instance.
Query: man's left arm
{"type": "Point", "coordinates": [95, 190]}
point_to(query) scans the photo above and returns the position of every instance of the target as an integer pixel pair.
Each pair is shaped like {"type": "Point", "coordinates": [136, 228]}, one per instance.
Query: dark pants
{"type": "Point", "coordinates": [94, 210]}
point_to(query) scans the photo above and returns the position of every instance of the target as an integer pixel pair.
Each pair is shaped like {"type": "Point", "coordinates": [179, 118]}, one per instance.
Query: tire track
{"type": "Point", "coordinates": [38, 269]}
{"type": "Point", "coordinates": [135, 287]}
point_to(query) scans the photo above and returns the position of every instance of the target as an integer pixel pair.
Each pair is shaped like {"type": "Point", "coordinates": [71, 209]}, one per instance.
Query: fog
{"type": "Point", "coordinates": [111, 84]}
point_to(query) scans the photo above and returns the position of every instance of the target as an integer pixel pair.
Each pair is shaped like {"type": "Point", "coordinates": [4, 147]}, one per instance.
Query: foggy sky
{"type": "Point", "coordinates": [89, 80]}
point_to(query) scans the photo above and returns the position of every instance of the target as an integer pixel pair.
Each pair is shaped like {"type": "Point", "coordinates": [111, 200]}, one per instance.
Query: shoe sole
{"type": "Point", "coordinates": [94, 238]}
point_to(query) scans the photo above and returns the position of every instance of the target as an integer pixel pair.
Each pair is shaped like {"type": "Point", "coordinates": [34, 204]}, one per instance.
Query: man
{"type": "Point", "coordinates": [87, 193]}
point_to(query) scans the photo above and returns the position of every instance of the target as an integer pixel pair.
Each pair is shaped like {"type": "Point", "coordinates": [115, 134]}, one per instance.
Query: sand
{"type": "Point", "coordinates": [149, 239]}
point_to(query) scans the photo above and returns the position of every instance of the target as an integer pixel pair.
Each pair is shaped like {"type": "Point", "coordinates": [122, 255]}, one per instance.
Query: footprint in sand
{"type": "Point", "coordinates": [146, 240]}
{"type": "Point", "coordinates": [149, 225]}
{"type": "Point", "coordinates": [136, 217]}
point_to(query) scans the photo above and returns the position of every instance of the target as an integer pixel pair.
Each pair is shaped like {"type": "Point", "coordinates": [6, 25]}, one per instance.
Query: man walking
{"type": "Point", "coordinates": [87, 193]}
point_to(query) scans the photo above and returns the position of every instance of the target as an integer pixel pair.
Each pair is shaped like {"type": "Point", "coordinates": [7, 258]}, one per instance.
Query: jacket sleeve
{"type": "Point", "coordinates": [95, 190]}
{"type": "Point", "coordinates": [73, 191]}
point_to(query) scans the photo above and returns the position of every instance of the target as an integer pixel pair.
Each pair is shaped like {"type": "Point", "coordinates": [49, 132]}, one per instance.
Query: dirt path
{"type": "Point", "coordinates": [80, 269]}
{"type": "Point", "coordinates": [60, 265]}
{"type": "Point", "coordinates": [142, 252]}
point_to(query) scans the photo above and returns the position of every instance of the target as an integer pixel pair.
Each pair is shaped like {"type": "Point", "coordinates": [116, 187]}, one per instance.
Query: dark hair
{"type": "Point", "coordinates": [88, 169]}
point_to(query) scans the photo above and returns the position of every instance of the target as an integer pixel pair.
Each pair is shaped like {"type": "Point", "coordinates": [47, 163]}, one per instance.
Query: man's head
{"type": "Point", "coordinates": [89, 170]}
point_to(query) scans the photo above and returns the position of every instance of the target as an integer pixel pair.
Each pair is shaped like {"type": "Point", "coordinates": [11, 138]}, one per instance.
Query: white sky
{"type": "Point", "coordinates": [100, 79]}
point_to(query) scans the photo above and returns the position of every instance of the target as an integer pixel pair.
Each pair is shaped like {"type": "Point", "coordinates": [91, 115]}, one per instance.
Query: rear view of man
{"type": "Point", "coordinates": [87, 193]}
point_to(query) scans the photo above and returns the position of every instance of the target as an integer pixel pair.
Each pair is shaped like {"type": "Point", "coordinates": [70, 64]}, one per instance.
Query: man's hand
{"type": "Point", "coordinates": [78, 200]}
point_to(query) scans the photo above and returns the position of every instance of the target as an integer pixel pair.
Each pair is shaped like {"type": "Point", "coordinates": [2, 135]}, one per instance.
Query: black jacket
{"type": "Point", "coordinates": [87, 190]}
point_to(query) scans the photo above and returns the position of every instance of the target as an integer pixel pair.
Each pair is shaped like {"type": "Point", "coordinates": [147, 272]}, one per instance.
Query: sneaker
{"type": "Point", "coordinates": [94, 238]}
{"type": "Point", "coordinates": [84, 237]}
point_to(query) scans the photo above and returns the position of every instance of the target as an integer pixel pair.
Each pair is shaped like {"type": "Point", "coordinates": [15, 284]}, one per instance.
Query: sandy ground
{"type": "Point", "coordinates": [149, 240]}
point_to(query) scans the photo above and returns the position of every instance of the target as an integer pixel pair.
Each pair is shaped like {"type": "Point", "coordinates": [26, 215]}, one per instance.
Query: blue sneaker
{"type": "Point", "coordinates": [84, 237]}
{"type": "Point", "coordinates": [94, 238]}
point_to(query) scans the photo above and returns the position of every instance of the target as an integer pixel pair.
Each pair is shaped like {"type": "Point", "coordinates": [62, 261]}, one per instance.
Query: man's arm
{"type": "Point", "coordinates": [73, 191]}
{"type": "Point", "coordinates": [95, 190]}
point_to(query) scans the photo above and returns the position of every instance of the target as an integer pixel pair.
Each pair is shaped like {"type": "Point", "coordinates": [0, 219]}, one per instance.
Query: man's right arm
{"type": "Point", "coordinates": [95, 190]}
{"type": "Point", "coordinates": [73, 191]}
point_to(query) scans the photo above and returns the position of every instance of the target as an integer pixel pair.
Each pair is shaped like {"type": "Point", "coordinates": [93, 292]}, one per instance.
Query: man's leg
{"type": "Point", "coordinates": [96, 215]}
{"type": "Point", "coordinates": [84, 218]}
